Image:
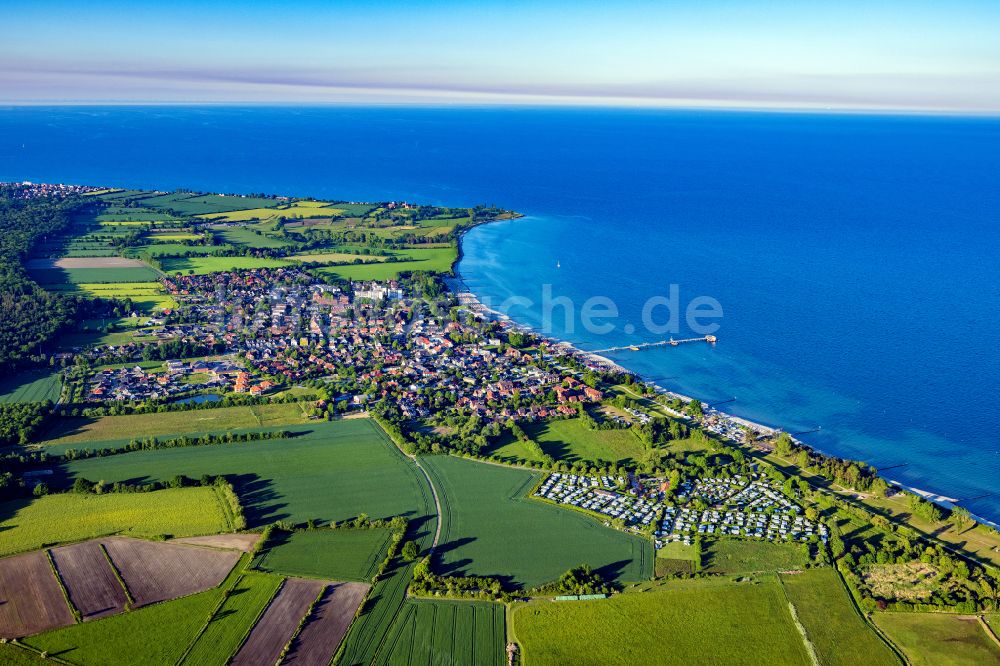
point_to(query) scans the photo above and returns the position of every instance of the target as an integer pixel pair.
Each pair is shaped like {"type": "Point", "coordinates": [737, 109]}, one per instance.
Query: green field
{"type": "Point", "coordinates": [735, 556]}
{"type": "Point", "coordinates": [297, 210]}
{"type": "Point", "coordinates": [434, 259]}
{"type": "Point", "coordinates": [246, 236]}
{"type": "Point", "coordinates": [148, 297]}
{"type": "Point", "coordinates": [189, 204]}
{"type": "Point", "coordinates": [47, 276]}
{"type": "Point", "coordinates": [572, 440]}
{"type": "Point", "coordinates": [489, 528]}
{"type": "Point", "coordinates": [169, 236]}
{"type": "Point", "coordinates": [164, 249]}
{"type": "Point", "coordinates": [205, 265]}
{"type": "Point", "coordinates": [31, 386]}
{"type": "Point", "coordinates": [233, 620]}
{"type": "Point", "coordinates": [682, 622]}
{"type": "Point", "coordinates": [838, 633]}
{"type": "Point", "coordinates": [29, 524]}
{"type": "Point", "coordinates": [335, 257]}
{"type": "Point", "coordinates": [452, 632]}
{"type": "Point", "coordinates": [108, 429]}
{"type": "Point", "coordinates": [330, 471]}
{"type": "Point", "coordinates": [675, 558]}
{"type": "Point", "coordinates": [13, 655]}
{"type": "Point", "coordinates": [340, 554]}
{"type": "Point", "coordinates": [939, 639]}
{"type": "Point", "coordinates": [157, 634]}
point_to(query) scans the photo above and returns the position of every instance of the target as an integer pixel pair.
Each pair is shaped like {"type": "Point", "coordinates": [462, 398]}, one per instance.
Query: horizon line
{"type": "Point", "coordinates": [636, 104]}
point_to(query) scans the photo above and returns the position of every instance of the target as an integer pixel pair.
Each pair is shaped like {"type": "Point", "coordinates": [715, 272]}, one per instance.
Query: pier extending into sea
{"type": "Point", "coordinates": [673, 343]}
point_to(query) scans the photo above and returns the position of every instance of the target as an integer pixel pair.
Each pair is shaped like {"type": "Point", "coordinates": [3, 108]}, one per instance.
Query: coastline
{"type": "Point", "coordinates": [467, 298]}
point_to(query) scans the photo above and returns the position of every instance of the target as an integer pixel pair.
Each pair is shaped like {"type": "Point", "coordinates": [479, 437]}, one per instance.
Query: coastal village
{"type": "Point", "coordinates": [416, 370]}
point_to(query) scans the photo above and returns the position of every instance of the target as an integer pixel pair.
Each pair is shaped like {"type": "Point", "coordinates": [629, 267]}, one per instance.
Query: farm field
{"type": "Point", "coordinates": [736, 556]}
{"type": "Point", "coordinates": [339, 554]}
{"type": "Point", "coordinates": [31, 386]}
{"type": "Point", "coordinates": [105, 428]}
{"type": "Point", "coordinates": [835, 628]}
{"type": "Point", "coordinates": [30, 597]}
{"type": "Point", "coordinates": [334, 257]}
{"type": "Point", "coordinates": [28, 524]}
{"type": "Point", "coordinates": [166, 248]}
{"type": "Point", "coordinates": [331, 617]}
{"type": "Point", "coordinates": [189, 204]}
{"type": "Point", "coordinates": [939, 639]}
{"type": "Point", "coordinates": [296, 210]}
{"type": "Point", "coordinates": [243, 542]}
{"type": "Point", "coordinates": [90, 581]}
{"type": "Point", "coordinates": [77, 270]}
{"type": "Point", "coordinates": [123, 640]}
{"type": "Point", "coordinates": [673, 623]}
{"type": "Point", "coordinates": [457, 632]}
{"type": "Point", "coordinates": [572, 440]}
{"type": "Point", "coordinates": [417, 259]}
{"type": "Point", "coordinates": [205, 265]}
{"type": "Point", "coordinates": [169, 236]}
{"type": "Point", "coordinates": [333, 470]}
{"type": "Point", "coordinates": [489, 528]}
{"type": "Point", "coordinates": [148, 297]}
{"type": "Point", "coordinates": [278, 623]}
{"type": "Point", "coordinates": [233, 620]}
{"type": "Point", "coordinates": [155, 571]}
{"type": "Point", "coordinates": [246, 236]}
{"type": "Point", "coordinates": [388, 595]}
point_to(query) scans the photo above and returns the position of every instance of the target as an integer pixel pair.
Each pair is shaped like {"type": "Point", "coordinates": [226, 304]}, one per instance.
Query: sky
{"type": "Point", "coordinates": [844, 54]}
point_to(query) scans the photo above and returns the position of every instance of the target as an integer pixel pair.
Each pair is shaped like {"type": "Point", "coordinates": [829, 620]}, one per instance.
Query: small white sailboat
{"type": "Point", "coordinates": [557, 264]}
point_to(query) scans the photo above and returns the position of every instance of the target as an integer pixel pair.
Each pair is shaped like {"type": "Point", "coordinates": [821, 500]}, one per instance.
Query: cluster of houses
{"type": "Point", "coordinates": [178, 377]}
{"type": "Point", "coordinates": [605, 495]}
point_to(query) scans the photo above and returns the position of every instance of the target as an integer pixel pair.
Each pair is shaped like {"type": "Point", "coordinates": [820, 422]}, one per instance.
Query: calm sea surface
{"type": "Point", "coordinates": [856, 258]}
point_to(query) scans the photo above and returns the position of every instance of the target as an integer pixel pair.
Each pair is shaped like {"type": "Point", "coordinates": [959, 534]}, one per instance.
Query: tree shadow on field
{"type": "Point", "coordinates": [453, 567]}
{"type": "Point", "coordinates": [418, 527]}
{"type": "Point", "coordinates": [613, 571]}
{"type": "Point", "coordinates": [258, 498]}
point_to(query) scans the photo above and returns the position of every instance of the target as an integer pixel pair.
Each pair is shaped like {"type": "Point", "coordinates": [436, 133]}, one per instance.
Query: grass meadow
{"type": "Point", "coordinates": [726, 556]}
{"type": "Point", "coordinates": [490, 528]}
{"type": "Point", "coordinates": [29, 524]}
{"type": "Point", "coordinates": [836, 629]}
{"type": "Point", "coordinates": [939, 639]}
{"type": "Point", "coordinates": [679, 622]}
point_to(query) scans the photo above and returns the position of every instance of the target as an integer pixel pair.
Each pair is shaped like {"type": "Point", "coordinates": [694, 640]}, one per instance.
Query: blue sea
{"type": "Point", "coordinates": [854, 257]}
